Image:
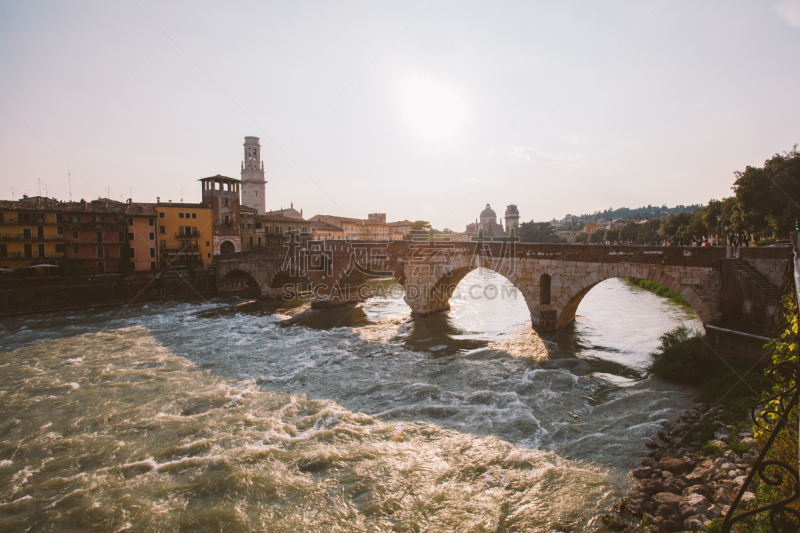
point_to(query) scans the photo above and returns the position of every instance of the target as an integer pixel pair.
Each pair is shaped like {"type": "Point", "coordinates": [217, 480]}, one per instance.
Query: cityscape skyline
{"type": "Point", "coordinates": [364, 109]}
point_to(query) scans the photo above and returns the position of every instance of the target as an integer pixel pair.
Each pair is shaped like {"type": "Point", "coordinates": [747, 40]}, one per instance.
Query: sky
{"type": "Point", "coordinates": [423, 110]}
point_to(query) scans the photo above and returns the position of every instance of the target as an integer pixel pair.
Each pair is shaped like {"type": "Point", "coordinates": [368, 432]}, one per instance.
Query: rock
{"type": "Point", "coordinates": [749, 458]}
{"type": "Point", "coordinates": [650, 529]}
{"type": "Point", "coordinates": [667, 499]}
{"type": "Point", "coordinates": [673, 523]}
{"type": "Point", "coordinates": [649, 462]}
{"type": "Point", "coordinates": [730, 485]}
{"type": "Point", "coordinates": [715, 511]}
{"type": "Point", "coordinates": [673, 464]}
{"type": "Point", "coordinates": [612, 523]}
{"type": "Point", "coordinates": [728, 466]}
{"type": "Point", "coordinates": [675, 485]}
{"type": "Point", "coordinates": [734, 473]}
{"type": "Point", "coordinates": [695, 523]}
{"type": "Point", "coordinates": [650, 486]}
{"type": "Point", "coordinates": [666, 474]}
{"type": "Point", "coordinates": [723, 496]}
{"type": "Point", "coordinates": [649, 507]}
{"type": "Point", "coordinates": [651, 444]}
{"type": "Point", "coordinates": [698, 489]}
{"type": "Point", "coordinates": [681, 452]}
{"type": "Point", "coordinates": [635, 503]}
{"type": "Point", "coordinates": [722, 435]}
{"type": "Point", "coordinates": [642, 473]}
{"type": "Point", "coordinates": [749, 441]}
{"type": "Point", "coordinates": [719, 444]}
{"type": "Point", "coordinates": [659, 454]}
{"type": "Point", "coordinates": [692, 505]}
{"type": "Point", "coordinates": [739, 481]}
{"type": "Point", "coordinates": [748, 497]}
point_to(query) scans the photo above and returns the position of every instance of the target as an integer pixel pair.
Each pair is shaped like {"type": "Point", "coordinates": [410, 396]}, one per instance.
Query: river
{"type": "Point", "coordinates": [235, 415]}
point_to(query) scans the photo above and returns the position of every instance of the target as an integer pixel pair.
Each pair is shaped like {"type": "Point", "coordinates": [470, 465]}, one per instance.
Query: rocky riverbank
{"type": "Point", "coordinates": [684, 486]}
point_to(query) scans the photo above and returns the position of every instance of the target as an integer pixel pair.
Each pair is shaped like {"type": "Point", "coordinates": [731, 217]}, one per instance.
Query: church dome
{"type": "Point", "coordinates": [488, 213]}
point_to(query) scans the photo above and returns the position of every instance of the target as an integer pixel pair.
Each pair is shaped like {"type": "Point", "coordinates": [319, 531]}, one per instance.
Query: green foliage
{"type": "Point", "coordinates": [768, 195]}
{"type": "Point", "coordinates": [538, 232]}
{"type": "Point", "coordinates": [682, 356]}
{"type": "Point", "coordinates": [421, 225]}
{"type": "Point", "coordinates": [712, 449]}
{"type": "Point", "coordinates": [660, 290]}
{"type": "Point", "coordinates": [715, 526]}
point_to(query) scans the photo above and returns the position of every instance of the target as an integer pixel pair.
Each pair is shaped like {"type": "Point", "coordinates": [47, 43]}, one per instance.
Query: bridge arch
{"type": "Point", "coordinates": [434, 293]}
{"type": "Point", "coordinates": [572, 295]}
{"type": "Point", "coordinates": [237, 280]}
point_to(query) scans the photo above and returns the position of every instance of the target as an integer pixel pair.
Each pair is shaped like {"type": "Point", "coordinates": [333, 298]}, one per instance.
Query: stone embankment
{"type": "Point", "coordinates": [680, 486]}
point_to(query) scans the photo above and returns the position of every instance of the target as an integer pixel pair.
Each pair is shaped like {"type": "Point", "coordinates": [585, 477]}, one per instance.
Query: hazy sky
{"type": "Point", "coordinates": [419, 109]}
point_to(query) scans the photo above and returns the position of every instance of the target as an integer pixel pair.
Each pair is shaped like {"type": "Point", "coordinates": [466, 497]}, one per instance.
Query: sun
{"type": "Point", "coordinates": [432, 110]}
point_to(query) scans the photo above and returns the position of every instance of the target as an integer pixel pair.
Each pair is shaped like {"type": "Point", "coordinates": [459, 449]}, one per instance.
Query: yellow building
{"type": "Point", "coordinates": [373, 228]}
{"type": "Point", "coordinates": [31, 232]}
{"type": "Point", "coordinates": [185, 234]}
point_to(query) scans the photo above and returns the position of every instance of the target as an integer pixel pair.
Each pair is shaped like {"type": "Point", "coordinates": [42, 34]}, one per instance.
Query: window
{"type": "Point", "coordinates": [101, 219]}
{"type": "Point", "coordinates": [99, 251]}
{"type": "Point", "coordinates": [277, 229]}
{"type": "Point", "coordinates": [152, 265]}
{"type": "Point", "coordinates": [258, 225]}
{"type": "Point", "coordinates": [28, 250]}
{"type": "Point", "coordinates": [40, 232]}
{"type": "Point", "coordinates": [1, 217]}
{"type": "Point", "coordinates": [249, 226]}
{"type": "Point", "coordinates": [188, 215]}
{"type": "Point", "coordinates": [152, 252]}
{"type": "Point", "coordinates": [151, 236]}
{"type": "Point", "coordinates": [163, 244]}
{"type": "Point", "coordinates": [208, 244]}
{"type": "Point", "coordinates": [59, 248]}
{"type": "Point", "coordinates": [3, 250]}
{"type": "Point", "coordinates": [121, 236]}
{"type": "Point", "coordinates": [227, 219]}
{"type": "Point", "coordinates": [161, 214]}
{"type": "Point", "coordinates": [101, 268]}
{"type": "Point", "coordinates": [194, 230]}
{"type": "Point", "coordinates": [209, 255]}
{"type": "Point", "coordinates": [544, 289]}
{"type": "Point", "coordinates": [76, 219]}
{"type": "Point", "coordinates": [98, 236]}
{"type": "Point", "coordinates": [194, 215]}
{"type": "Point", "coordinates": [259, 241]}
{"type": "Point", "coordinates": [76, 250]}
{"type": "Point", "coordinates": [151, 222]}
{"type": "Point", "coordinates": [26, 233]}
{"type": "Point", "coordinates": [225, 202]}
{"type": "Point", "coordinates": [305, 230]}
{"type": "Point", "coordinates": [41, 250]}
{"type": "Point", "coordinates": [74, 234]}
{"type": "Point", "coordinates": [130, 222]}
{"type": "Point", "coordinates": [131, 252]}
{"type": "Point", "coordinates": [25, 218]}
{"type": "Point", "coordinates": [180, 215]}
{"type": "Point", "coordinates": [162, 230]}
{"type": "Point", "coordinates": [59, 230]}
{"type": "Point", "coordinates": [251, 241]}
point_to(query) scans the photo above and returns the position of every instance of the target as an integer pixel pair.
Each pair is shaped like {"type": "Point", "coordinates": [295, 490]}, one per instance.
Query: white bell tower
{"type": "Point", "coordinates": [253, 183]}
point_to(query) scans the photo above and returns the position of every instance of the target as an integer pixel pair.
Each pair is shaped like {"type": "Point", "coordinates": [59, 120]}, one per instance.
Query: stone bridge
{"type": "Point", "coordinates": [552, 278]}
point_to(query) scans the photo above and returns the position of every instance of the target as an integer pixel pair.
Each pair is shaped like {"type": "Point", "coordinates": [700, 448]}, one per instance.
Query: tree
{"type": "Point", "coordinates": [770, 195]}
{"type": "Point", "coordinates": [629, 232]}
{"type": "Point", "coordinates": [538, 232]}
{"type": "Point", "coordinates": [597, 236]}
{"type": "Point", "coordinates": [647, 233]}
{"type": "Point", "coordinates": [421, 225]}
{"type": "Point", "coordinates": [611, 235]}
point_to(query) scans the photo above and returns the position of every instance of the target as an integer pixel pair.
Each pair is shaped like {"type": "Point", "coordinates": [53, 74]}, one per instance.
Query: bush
{"type": "Point", "coordinates": [682, 356]}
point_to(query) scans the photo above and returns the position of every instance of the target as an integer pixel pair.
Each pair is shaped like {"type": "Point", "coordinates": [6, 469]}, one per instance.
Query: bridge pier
{"type": "Point", "coordinates": [544, 319]}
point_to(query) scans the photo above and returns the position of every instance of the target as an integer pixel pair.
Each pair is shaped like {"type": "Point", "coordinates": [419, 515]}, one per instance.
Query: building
{"type": "Point", "coordinates": [221, 194]}
{"type": "Point", "coordinates": [402, 227]}
{"type": "Point", "coordinates": [142, 221]}
{"type": "Point", "coordinates": [290, 212]}
{"type": "Point", "coordinates": [95, 235]}
{"type": "Point", "coordinates": [512, 218]}
{"type": "Point", "coordinates": [31, 232]}
{"type": "Point", "coordinates": [253, 182]}
{"type": "Point", "coordinates": [185, 234]}
{"type": "Point", "coordinates": [487, 226]}
{"type": "Point", "coordinates": [323, 231]}
{"type": "Point", "coordinates": [373, 228]}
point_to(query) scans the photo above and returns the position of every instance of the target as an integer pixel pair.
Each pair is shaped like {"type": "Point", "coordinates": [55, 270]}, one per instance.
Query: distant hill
{"type": "Point", "coordinates": [651, 211]}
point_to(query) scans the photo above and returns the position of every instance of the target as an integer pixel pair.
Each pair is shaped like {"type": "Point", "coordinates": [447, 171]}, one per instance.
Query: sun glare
{"type": "Point", "coordinates": [432, 110]}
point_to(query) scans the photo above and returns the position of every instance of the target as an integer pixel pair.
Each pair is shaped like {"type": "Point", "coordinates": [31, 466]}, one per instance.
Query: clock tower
{"type": "Point", "coordinates": [253, 183]}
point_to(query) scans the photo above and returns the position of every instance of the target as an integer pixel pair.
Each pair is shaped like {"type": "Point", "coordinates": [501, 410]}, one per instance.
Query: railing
{"type": "Point", "coordinates": [191, 234]}
{"type": "Point", "coordinates": [773, 417]}
{"type": "Point", "coordinates": [31, 238]}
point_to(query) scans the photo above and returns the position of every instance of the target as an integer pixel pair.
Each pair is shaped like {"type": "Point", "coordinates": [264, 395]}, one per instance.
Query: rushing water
{"type": "Point", "coordinates": [234, 415]}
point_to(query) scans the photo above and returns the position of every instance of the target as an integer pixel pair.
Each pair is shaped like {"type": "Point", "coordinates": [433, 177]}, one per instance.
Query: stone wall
{"type": "Point", "coordinates": [734, 344]}
{"type": "Point", "coordinates": [55, 293]}
{"type": "Point", "coordinates": [771, 262]}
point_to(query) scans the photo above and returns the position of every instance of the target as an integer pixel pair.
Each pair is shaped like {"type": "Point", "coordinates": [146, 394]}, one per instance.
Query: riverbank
{"type": "Point", "coordinates": [660, 290]}
{"type": "Point", "coordinates": [41, 295]}
{"type": "Point", "coordinates": [687, 486]}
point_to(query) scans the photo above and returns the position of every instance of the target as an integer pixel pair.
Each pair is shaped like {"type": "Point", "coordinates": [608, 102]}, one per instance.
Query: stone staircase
{"type": "Point", "coordinates": [757, 278]}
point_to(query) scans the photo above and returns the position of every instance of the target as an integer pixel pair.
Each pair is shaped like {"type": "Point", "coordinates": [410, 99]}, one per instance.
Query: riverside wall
{"type": "Point", "coordinates": [56, 293]}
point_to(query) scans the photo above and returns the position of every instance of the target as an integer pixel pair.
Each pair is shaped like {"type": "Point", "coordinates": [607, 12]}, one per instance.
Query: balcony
{"type": "Point", "coordinates": [31, 238]}
{"type": "Point", "coordinates": [116, 224]}
{"type": "Point", "coordinates": [187, 234]}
